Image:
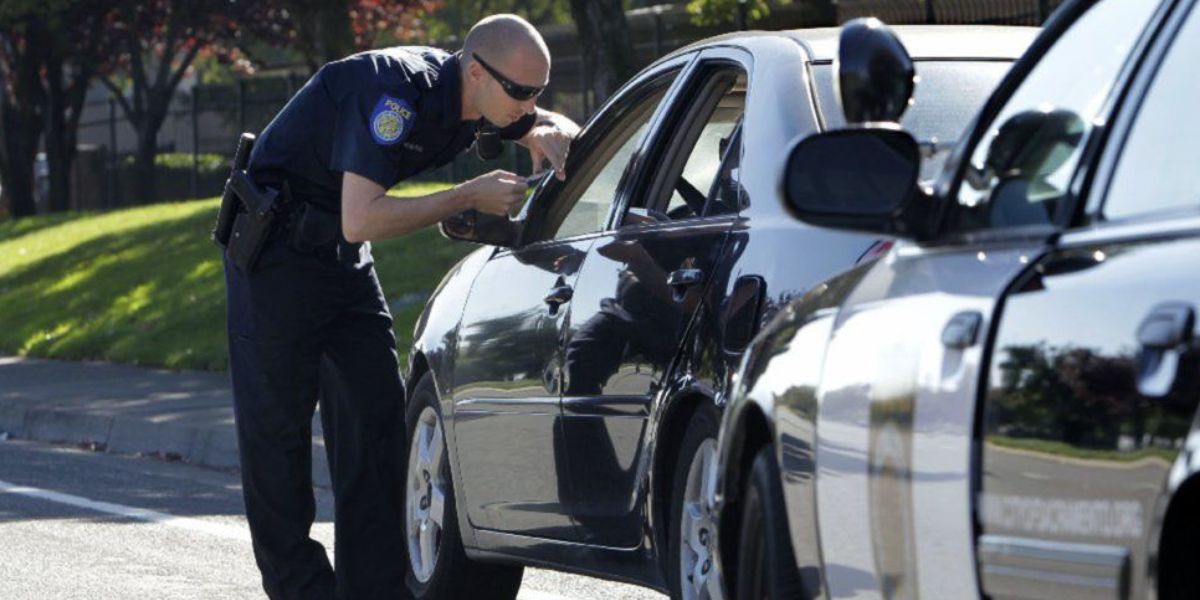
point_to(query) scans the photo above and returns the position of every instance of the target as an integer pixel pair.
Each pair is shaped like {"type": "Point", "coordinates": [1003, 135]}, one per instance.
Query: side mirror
{"type": "Point", "coordinates": [860, 179]}
{"type": "Point", "coordinates": [875, 74]}
{"type": "Point", "coordinates": [480, 228]}
{"type": "Point", "coordinates": [1034, 142]}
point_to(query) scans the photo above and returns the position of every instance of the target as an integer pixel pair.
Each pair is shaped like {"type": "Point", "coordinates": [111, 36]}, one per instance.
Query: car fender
{"type": "Point", "coordinates": [435, 343]}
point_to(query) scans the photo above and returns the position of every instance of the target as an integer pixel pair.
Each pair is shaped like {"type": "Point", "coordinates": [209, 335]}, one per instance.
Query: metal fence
{"type": "Point", "coordinates": [202, 127]}
{"type": "Point", "coordinates": [195, 141]}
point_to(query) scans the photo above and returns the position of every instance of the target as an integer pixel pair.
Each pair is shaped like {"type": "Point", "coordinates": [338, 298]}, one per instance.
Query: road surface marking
{"type": "Point", "coordinates": [129, 512]}
{"type": "Point", "coordinates": [231, 532]}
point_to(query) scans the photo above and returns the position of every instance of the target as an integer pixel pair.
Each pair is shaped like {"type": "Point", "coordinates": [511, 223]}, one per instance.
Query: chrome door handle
{"type": "Point", "coordinates": [559, 295]}
{"type": "Point", "coordinates": [1168, 325]}
{"type": "Point", "coordinates": [685, 277]}
{"type": "Point", "coordinates": [962, 331]}
{"type": "Point", "coordinates": [1161, 334]}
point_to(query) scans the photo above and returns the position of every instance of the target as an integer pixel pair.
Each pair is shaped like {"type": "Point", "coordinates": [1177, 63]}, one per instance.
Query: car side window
{"type": "Point", "coordinates": [699, 161]}
{"type": "Point", "coordinates": [1157, 168]}
{"type": "Point", "coordinates": [600, 176]}
{"type": "Point", "coordinates": [1019, 171]}
{"type": "Point", "coordinates": [695, 184]}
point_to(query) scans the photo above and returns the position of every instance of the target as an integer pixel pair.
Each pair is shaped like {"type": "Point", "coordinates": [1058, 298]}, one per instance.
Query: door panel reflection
{"type": "Point", "coordinates": [506, 395]}
{"type": "Point", "coordinates": [1073, 452]}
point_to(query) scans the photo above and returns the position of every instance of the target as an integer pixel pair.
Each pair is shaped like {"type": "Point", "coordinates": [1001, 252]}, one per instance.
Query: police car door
{"type": "Point", "coordinates": [897, 401]}
{"type": "Point", "coordinates": [508, 426]}
{"type": "Point", "coordinates": [1093, 375]}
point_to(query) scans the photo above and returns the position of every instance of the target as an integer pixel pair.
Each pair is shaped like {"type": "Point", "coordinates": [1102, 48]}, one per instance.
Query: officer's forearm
{"type": "Point", "coordinates": [385, 216]}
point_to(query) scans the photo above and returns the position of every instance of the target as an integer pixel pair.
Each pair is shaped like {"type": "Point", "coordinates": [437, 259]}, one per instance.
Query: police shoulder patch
{"type": "Point", "coordinates": [391, 120]}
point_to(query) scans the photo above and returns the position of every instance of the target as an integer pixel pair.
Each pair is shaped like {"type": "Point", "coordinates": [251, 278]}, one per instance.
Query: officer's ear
{"type": "Point", "coordinates": [475, 72]}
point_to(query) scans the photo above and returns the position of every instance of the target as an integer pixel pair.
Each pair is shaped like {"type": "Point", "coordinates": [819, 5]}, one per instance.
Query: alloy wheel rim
{"type": "Point", "coordinates": [425, 496]}
{"type": "Point", "coordinates": [699, 577]}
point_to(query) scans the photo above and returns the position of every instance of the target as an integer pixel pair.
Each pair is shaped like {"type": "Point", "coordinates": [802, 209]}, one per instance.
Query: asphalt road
{"type": "Point", "coordinates": [80, 524]}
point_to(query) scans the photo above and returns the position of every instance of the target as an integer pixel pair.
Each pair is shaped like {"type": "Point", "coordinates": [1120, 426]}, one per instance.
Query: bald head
{"type": "Point", "coordinates": [501, 38]}
{"type": "Point", "coordinates": [516, 55]}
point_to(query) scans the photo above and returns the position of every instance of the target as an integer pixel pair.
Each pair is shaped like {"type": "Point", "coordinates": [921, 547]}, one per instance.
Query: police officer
{"type": "Point", "coordinates": [309, 316]}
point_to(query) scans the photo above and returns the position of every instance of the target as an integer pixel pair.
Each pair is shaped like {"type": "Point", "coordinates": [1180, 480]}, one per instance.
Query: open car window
{"type": "Point", "coordinates": [586, 200]}
{"type": "Point", "coordinates": [698, 161]}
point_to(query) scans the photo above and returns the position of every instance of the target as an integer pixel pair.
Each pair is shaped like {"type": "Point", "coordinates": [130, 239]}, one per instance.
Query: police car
{"type": "Point", "coordinates": [1005, 405]}
{"type": "Point", "coordinates": [567, 379]}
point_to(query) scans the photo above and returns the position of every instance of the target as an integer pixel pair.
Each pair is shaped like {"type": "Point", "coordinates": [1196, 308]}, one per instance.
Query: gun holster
{"type": "Point", "coordinates": [253, 224]}
{"type": "Point", "coordinates": [247, 212]}
{"type": "Point", "coordinates": [230, 204]}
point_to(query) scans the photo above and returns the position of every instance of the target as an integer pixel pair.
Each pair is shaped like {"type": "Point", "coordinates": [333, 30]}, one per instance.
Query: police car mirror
{"type": "Point", "coordinates": [861, 179]}
{"type": "Point", "coordinates": [480, 228]}
{"type": "Point", "coordinates": [875, 74]}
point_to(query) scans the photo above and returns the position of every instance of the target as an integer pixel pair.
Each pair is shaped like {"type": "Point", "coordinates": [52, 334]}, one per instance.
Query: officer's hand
{"type": "Point", "coordinates": [495, 193]}
{"type": "Point", "coordinates": [550, 142]}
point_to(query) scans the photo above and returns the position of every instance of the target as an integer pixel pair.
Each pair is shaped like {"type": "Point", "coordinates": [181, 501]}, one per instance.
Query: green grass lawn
{"type": "Point", "coordinates": [145, 285]}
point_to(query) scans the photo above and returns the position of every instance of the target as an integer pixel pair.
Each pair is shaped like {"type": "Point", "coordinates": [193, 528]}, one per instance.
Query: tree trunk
{"type": "Point", "coordinates": [18, 149]}
{"type": "Point", "coordinates": [21, 113]}
{"type": "Point", "coordinates": [57, 154]}
{"type": "Point", "coordinates": [604, 44]}
{"type": "Point", "coordinates": [143, 167]}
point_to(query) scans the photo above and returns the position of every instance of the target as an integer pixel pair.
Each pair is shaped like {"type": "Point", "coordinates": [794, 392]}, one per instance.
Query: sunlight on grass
{"type": "Point", "coordinates": [145, 285]}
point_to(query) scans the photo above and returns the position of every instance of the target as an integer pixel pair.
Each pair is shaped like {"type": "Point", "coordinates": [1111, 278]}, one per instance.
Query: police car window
{"type": "Point", "coordinates": [590, 208]}
{"type": "Point", "coordinates": [945, 99]}
{"type": "Point", "coordinates": [1019, 172]}
{"type": "Point", "coordinates": [1157, 168]}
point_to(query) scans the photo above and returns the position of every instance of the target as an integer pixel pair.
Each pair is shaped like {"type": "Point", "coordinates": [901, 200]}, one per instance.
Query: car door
{"type": "Point", "coordinates": [897, 398]}
{"type": "Point", "coordinates": [506, 382]}
{"type": "Point", "coordinates": [1092, 378]}
{"type": "Point", "coordinates": [637, 291]}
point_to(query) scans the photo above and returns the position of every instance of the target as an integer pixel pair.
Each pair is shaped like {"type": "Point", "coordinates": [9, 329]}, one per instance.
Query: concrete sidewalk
{"type": "Point", "coordinates": [128, 410]}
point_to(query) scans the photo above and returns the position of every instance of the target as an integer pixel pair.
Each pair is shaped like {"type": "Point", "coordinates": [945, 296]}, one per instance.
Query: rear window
{"type": "Point", "coordinates": [947, 96]}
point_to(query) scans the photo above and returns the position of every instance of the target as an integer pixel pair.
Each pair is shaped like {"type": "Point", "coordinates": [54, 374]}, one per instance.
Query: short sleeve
{"type": "Point", "coordinates": [368, 132]}
{"type": "Point", "coordinates": [519, 128]}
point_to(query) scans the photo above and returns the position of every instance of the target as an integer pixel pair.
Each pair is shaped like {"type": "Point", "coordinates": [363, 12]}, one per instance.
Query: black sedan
{"type": "Point", "coordinates": [568, 378]}
{"type": "Point", "coordinates": [1005, 405]}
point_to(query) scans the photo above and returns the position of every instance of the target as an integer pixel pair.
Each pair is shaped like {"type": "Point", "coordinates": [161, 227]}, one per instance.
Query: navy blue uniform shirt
{"type": "Point", "coordinates": [383, 114]}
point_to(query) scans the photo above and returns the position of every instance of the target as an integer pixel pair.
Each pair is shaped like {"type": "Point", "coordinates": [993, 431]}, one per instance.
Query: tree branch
{"type": "Point", "coordinates": [119, 95]}
{"type": "Point", "coordinates": [164, 64]}
{"type": "Point", "coordinates": [177, 76]}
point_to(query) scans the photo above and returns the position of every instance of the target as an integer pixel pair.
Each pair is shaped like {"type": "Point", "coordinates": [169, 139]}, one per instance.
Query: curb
{"type": "Point", "coordinates": [205, 447]}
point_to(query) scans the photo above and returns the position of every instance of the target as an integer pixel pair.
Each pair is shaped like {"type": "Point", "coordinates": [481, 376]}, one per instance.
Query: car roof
{"type": "Point", "coordinates": [932, 41]}
{"type": "Point", "coordinates": [923, 42]}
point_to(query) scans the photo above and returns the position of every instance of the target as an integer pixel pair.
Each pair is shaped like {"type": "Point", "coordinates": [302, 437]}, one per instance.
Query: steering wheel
{"type": "Point", "coordinates": [692, 197]}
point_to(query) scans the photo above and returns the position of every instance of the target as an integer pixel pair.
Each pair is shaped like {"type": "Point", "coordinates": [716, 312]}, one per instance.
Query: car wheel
{"type": "Point", "coordinates": [766, 566]}
{"type": "Point", "coordinates": [693, 573]}
{"type": "Point", "coordinates": [437, 566]}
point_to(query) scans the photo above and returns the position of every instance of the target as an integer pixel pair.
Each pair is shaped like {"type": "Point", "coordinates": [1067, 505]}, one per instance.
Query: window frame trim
{"type": "Point", "coordinates": [1091, 213]}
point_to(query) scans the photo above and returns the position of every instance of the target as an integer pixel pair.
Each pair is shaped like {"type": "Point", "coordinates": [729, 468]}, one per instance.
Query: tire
{"type": "Point", "coordinates": [766, 565]}
{"type": "Point", "coordinates": [689, 577]}
{"type": "Point", "coordinates": [1178, 578]}
{"type": "Point", "coordinates": [445, 573]}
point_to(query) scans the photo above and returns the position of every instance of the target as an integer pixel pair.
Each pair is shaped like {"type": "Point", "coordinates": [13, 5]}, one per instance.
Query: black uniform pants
{"type": "Point", "coordinates": [299, 325]}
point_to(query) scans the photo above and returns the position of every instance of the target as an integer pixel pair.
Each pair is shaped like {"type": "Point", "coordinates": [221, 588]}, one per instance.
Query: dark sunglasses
{"type": "Point", "coordinates": [514, 90]}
